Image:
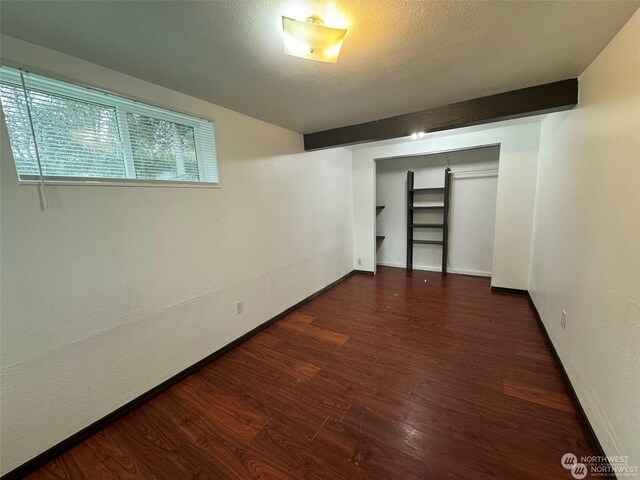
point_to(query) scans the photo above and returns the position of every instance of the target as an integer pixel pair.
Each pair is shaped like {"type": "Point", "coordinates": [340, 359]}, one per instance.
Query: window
{"type": "Point", "coordinates": [82, 134]}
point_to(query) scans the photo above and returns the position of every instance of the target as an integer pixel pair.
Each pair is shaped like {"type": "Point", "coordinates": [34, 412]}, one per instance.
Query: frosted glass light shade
{"type": "Point", "coordinates": [312, 40]}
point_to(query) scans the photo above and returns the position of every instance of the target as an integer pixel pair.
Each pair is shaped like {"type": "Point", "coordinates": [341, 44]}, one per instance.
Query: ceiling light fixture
{"type": "Point", "coordinates": [311, 39]}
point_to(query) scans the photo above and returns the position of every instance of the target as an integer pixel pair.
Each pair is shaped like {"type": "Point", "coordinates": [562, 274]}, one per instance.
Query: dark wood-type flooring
{"type": "Point", "coordinates": [395, 376]}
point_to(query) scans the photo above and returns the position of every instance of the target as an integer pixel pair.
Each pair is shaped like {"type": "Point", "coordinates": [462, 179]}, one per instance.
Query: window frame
{"type": "Point", "coordinates": [86, 93]}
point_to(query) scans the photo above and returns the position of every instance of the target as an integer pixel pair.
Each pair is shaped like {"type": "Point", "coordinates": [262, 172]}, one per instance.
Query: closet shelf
{"type": "Point", "coordinates": [427, 225]}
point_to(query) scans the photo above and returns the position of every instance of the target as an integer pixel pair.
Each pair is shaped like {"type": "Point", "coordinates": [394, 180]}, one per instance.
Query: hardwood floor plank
{"type": "Point", "coordinates": [532, 353]}
{"type": "Point", "coordinates": [299, 318]}
{"type": "Point", "coordinates": [557, 401]}
{"type": "Point", "coordinates": [227, 412]}
{"type": "Point", "coordinates": [299, 407]}
{"type": "Point", "coordinates": [303, 456]}
{"type": "Point", "coordinates": [298, 369]}
{"type": "Point", "coordinates": [314, 332]}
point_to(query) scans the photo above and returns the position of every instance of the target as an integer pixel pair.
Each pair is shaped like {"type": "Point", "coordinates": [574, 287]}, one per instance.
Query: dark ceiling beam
{"type": "Point", "coordinates": [547, 98]}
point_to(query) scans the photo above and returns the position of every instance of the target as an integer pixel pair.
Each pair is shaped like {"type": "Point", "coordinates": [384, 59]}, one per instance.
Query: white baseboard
{"type": "Point", "coordinates": [434, 268]}
{"type": "Point", "coordinates": [474, 273]}
{"type": "Point", "coordinates": [391, 264]}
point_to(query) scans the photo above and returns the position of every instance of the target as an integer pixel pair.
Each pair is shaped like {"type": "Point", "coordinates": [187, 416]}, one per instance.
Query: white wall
{"type": "Point", "coordinates": [518, 142]}
{"type": "Point", "coordinates": [471, 216]}
{"type": "Point", "coordinates": [115, 289]}
{"type": "Point", "coordinates": [586, 242]}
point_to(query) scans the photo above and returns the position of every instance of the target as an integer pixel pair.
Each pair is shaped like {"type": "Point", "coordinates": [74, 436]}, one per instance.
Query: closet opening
{"type": "Point", "coordinates": [414, 227]}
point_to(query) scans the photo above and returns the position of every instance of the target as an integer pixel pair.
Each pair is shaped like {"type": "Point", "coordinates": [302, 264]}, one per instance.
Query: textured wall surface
{"type": "Point", "coordinates": [115, 289]}
{"type": "Point", "coordinates": [586, 247]}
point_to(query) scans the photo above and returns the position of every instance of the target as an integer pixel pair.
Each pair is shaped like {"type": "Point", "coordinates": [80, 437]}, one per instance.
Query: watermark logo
{"type": "Point", "coordinates": [568, 460]}
{"type": "Point", "coordinates": [579, 471]}
{"type": "Point", "coordinates": [598, 466]}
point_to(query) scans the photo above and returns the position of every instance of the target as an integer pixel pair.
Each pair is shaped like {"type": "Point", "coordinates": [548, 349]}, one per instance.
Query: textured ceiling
{"type": "Point", "coordinates": [398, 57]}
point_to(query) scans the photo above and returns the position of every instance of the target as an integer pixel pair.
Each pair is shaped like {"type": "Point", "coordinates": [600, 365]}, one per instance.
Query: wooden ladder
{"type": "Point", "coordinates": [411, 208]}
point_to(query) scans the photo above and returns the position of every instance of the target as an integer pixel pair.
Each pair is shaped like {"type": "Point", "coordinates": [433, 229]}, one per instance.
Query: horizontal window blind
{"type": "Point", "coordinates": [82, 133]}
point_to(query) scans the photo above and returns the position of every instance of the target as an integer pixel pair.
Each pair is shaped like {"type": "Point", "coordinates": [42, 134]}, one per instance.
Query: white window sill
{"type": "Point", "coordinates": [120, 183]}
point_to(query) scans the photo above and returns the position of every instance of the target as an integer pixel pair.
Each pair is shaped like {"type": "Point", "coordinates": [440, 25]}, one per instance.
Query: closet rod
{"type": "Point", "coordinates": [489, 170]}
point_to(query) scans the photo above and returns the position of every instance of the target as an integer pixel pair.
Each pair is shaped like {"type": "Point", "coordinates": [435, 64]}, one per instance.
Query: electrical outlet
{"type": "Point", "coordinates": [359, 261]}
{"type": "Point", "coordinates": [238, 307]}
{"type": "Point", "coordinates": [563, 319]}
